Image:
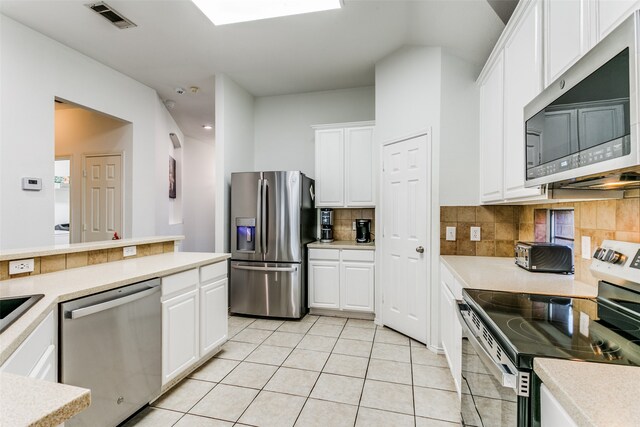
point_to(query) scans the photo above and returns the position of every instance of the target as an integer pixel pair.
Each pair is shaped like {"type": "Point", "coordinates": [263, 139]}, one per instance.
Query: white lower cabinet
{"type": "Point", "coordinates": [179, 334]}
{"type": "Point", "coordinates": [37, 357]}
{"type": "Point", "coordinates": [552, 414]}
{"type": "Point", "coordinates": [450, 328]}
{"type": "Point", "coordinates": [194, 317]}
{"type": "Point", "coordinates": [342, 279]}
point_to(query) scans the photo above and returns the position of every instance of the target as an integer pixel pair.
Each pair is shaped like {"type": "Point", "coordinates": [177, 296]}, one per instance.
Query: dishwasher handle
{"type": "Point", "coordinates": [97, 308]}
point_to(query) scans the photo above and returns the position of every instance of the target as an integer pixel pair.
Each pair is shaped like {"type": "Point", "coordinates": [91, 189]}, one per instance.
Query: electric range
{"type": "Point", "coordinates": [507, 331]}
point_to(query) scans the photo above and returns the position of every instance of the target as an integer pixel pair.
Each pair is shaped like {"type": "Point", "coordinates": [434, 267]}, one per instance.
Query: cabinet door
{"type": "Point", "coordinates": [324, 284]}
{"type": "Point", "coordinates": [610, 13]}
{"type": "Point", "coordinates": [330, 168]}
{"type": "Point", "coordinates": [567, 35]}
{"type": "Point", "coordinates": [451, 332]}
{"type": "Point", "coordinates": [359, 166]}
{"type": "Point", "coordinates": [522, 82]}
{"type": "Point", "coordinates": [356, 286]}
{"type": "Point", "coordinates": [213, 315]}
{"type": "Point", "coordinates": [179, 334]}
{"type": "Point", "coordinates": [491, 133]}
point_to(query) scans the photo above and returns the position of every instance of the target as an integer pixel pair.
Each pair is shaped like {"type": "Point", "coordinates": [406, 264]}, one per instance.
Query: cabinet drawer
{"type": "Point", "coordinates": [26, 357]}
{"type": "Point", "coordinates": [179, 281]}
{"type": "Point", "coordinates": [324, 254]}
{"type": "Point", "coordinates": [213, 271]}
{"type": "Point", "coordinates": [358, 255]}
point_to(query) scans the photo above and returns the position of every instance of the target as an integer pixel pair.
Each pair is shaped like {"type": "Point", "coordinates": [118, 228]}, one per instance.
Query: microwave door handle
{"type": "Point", "coordinates": [499, 371]}
{"type": "Point", "coordinates": [265, 215]}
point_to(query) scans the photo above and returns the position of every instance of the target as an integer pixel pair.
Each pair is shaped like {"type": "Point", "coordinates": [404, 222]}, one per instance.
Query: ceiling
{"type": "Point", "coordinates": [175, 45]}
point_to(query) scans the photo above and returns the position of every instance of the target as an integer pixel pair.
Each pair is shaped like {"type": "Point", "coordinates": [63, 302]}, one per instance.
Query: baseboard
{"type": "Point", "coordinates": [342, 313]}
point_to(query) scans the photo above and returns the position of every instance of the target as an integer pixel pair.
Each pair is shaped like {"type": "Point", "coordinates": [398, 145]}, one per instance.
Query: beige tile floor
{"type": "Point", "coordinates": [319, 371]}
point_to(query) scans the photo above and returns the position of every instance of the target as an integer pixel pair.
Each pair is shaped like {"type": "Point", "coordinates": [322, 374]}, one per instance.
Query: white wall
{"type": "Point", "coordinates": [199, 199]}
{"type": "Point", "coordinates": [79, 132]}
{"type": "Point", "coordinates": [33, 71]}
{"type": "Point", "coordinates": [459, 133]}
{"type": "Point", "coordinates": [408, 93]}
{"type": "Point", "coordinates": [234, 148]}
{"type": "Point", "coordinates": [284, 139]}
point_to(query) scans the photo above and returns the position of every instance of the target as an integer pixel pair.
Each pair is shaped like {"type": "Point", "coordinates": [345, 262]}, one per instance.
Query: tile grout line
{"type": "Point", "coordinates": [375, 332]}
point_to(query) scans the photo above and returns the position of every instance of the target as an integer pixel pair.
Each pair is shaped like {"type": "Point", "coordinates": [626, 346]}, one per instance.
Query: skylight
{"type": "Point", "coordinates": [222, 12]}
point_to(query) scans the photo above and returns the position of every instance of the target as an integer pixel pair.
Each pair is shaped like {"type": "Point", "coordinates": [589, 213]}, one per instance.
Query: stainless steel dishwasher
{"type": "Point", "coordinates": [111, 343]}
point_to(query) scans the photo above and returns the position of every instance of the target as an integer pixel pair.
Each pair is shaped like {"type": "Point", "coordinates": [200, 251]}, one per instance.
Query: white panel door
{"type": "Point", "coordinates": [611, 13]}
{"type": "Point", "coordinates": [491, 133]}
{"type": "Point", "coordinates": [522, 82]}
{"type": "Point", "coordinates": [330, 168]}
{"type": "Point", "coordinates": [359, 166]}
{"type": "Point", "coordinates": [213, 315]}
{"type": "Point", "coordinates": [179, 334]}
{"type": "Point", "coordinates": [102, 198]}
{"type": "Point", "coordinates": [567, 35]}
{"type": "Point", "coordinates": [404, 241]}
{"type": "Point", "coordinates": [324, 284]}
{"type": "Point", "coordinates": [356, 286]}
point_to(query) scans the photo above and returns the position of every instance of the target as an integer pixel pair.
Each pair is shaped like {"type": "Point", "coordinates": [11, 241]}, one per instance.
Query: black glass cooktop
{"type": "Point", "coordinates": [529, 325]}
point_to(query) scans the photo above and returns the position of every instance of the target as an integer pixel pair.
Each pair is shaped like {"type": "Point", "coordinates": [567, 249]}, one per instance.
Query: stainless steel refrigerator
{"type": "Point", "coordinates": [272, 220]}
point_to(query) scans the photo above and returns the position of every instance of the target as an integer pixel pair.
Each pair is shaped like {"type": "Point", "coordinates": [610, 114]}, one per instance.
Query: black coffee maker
{"type": "Point", "coordinates": [326, 225]}
{"type": "Point", "coordinates": [363, 230]}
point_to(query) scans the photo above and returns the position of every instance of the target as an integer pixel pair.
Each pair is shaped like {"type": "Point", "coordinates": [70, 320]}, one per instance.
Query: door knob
{"type": "Point", "coordinates": [420, 249]}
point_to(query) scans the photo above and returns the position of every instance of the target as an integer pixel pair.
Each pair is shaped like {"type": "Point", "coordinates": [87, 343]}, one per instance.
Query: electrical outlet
{"type": "Point", "coordinates": [451, 233]}
{"type": "Point", "coordinates": [586, 247]}
{"type": "Point", "coordinates": [475, 234]}
{"type": "Point", "coordinates": [21, 266]}
{"type": "Point", "coordinates": [353, 226]}
{"type": "Point", "coordinates": [128, 251]}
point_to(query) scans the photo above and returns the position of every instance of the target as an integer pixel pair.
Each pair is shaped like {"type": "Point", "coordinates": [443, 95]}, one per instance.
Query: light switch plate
{"type": "Point", "coordinates": [451, 233]}
{"type": "Point", "coordinates": [475, 234]}
{"type": "Point", "coordinates": [586, 247]}
{"type": "Point", "coordinates": [21, 266]}
{"type": "Point", "coordinates": [128, 251]}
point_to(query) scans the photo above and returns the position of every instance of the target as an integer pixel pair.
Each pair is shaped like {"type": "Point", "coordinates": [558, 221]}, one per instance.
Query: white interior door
{"type": "Point", "coordinates": [404, 241]}
{"type": "Point", "coordinates": [102, 198]}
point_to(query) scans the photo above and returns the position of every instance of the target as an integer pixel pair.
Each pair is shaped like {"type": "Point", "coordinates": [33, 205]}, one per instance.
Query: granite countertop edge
{"type": "Point", "coordinates": [342, 244]}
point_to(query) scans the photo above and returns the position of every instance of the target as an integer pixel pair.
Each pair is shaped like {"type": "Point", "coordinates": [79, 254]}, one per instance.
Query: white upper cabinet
{"type": "Point", "coordinates": [345, 165]}
{"type": "Point", "coordinates": [491, 133]}
{"type": "Point", "coordinates": [568, 35]}
{"type": "Point", "coordinates": [522, 82]}
{"type": "Point", "coordinates": [329, 167]}
{"type": "Point", "coordinates": [610, 13]}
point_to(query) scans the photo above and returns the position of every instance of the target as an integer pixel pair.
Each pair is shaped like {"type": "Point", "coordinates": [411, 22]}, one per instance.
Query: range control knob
{"type": "Point", "coordinates": [615, 257]}
{"type": "Point", "coordinates": [598, 253]}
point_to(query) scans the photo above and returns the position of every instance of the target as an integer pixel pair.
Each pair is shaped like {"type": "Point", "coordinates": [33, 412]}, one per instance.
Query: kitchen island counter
{"type": "Point", "coordinates": [593, 394]}
{"type": "Point", "coordinates": [502, 274]}
{"type": "Point", "coordinates": [70, 284]}
{"type": "Point", "coordinates": [31, 402]}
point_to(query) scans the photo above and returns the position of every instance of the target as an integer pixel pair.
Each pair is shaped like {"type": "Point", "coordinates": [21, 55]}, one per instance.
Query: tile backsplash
{"type": "Point", "coordinates": [502, 226]}
{"type": "Point", "coordinates": [343, 222]}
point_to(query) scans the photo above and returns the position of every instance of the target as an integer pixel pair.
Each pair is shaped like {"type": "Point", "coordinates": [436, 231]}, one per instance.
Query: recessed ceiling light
{"type": "Point", "coordinates": [222, 12]}
{"type": "Point", "coordinates": [207, 127]}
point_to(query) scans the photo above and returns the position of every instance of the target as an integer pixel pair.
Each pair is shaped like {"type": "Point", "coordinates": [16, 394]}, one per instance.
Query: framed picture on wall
{"type": "Point", "coordinates": [172, 178]}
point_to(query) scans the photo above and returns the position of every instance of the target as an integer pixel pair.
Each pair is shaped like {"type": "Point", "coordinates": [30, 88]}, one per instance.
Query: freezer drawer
{"type": "Point", "coordinates": [268, 289]}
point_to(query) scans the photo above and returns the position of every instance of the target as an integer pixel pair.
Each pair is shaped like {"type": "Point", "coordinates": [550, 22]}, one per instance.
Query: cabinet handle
{"type": "Point", "coordinates": [420, 249]}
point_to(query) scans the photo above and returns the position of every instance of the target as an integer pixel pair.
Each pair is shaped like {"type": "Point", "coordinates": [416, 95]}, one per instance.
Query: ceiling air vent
{"type": "Point", "coordinates": [109, 13]}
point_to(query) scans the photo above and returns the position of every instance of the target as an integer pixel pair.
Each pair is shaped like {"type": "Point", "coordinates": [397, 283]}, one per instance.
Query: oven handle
{"type": "Point", "coordinates": [504, 377]}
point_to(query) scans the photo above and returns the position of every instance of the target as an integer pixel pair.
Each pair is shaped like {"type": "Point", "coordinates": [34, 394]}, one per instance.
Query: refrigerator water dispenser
{"type": "Point", "coordinates": [246, 234]}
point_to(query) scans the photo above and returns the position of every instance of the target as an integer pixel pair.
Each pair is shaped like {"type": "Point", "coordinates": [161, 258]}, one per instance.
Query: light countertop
{"type": "Point", "coordinates": [67, 248]}
{"type": "Point", "coordinates": [30, 402]}
{"type": "Point", "coordinates": [342, 244]}
{"type": "Point", "coordinates": [593, 394]}
{"type": "Point", "coordinates": [502, 274]}
{"type": "Point", "coordinates": [78, 282]}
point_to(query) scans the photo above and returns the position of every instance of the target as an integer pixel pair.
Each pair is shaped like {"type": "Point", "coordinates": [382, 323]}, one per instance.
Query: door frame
{"type": "Point", "coordinates": [85, 156]}
{"type": "Point", "coordinates": [432, 153]}
{"type": "Point", "coordinates": [71, 198]}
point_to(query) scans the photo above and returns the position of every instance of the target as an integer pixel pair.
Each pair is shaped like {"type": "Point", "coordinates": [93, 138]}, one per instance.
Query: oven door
{"type": "Point", "coordinates": [489, 395]}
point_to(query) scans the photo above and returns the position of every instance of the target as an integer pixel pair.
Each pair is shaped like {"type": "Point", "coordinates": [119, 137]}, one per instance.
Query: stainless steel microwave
{"type": "Point", "coordinates": [586, 122]}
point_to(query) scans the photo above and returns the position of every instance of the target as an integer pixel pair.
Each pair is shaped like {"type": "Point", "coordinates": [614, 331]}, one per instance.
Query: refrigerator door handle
{"type": "Point", "coordinates": [258, 236]}
{"type": "Point", "coordinates": [264, 226]}
{"type": "Point", "coordinates": [275, 269]}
